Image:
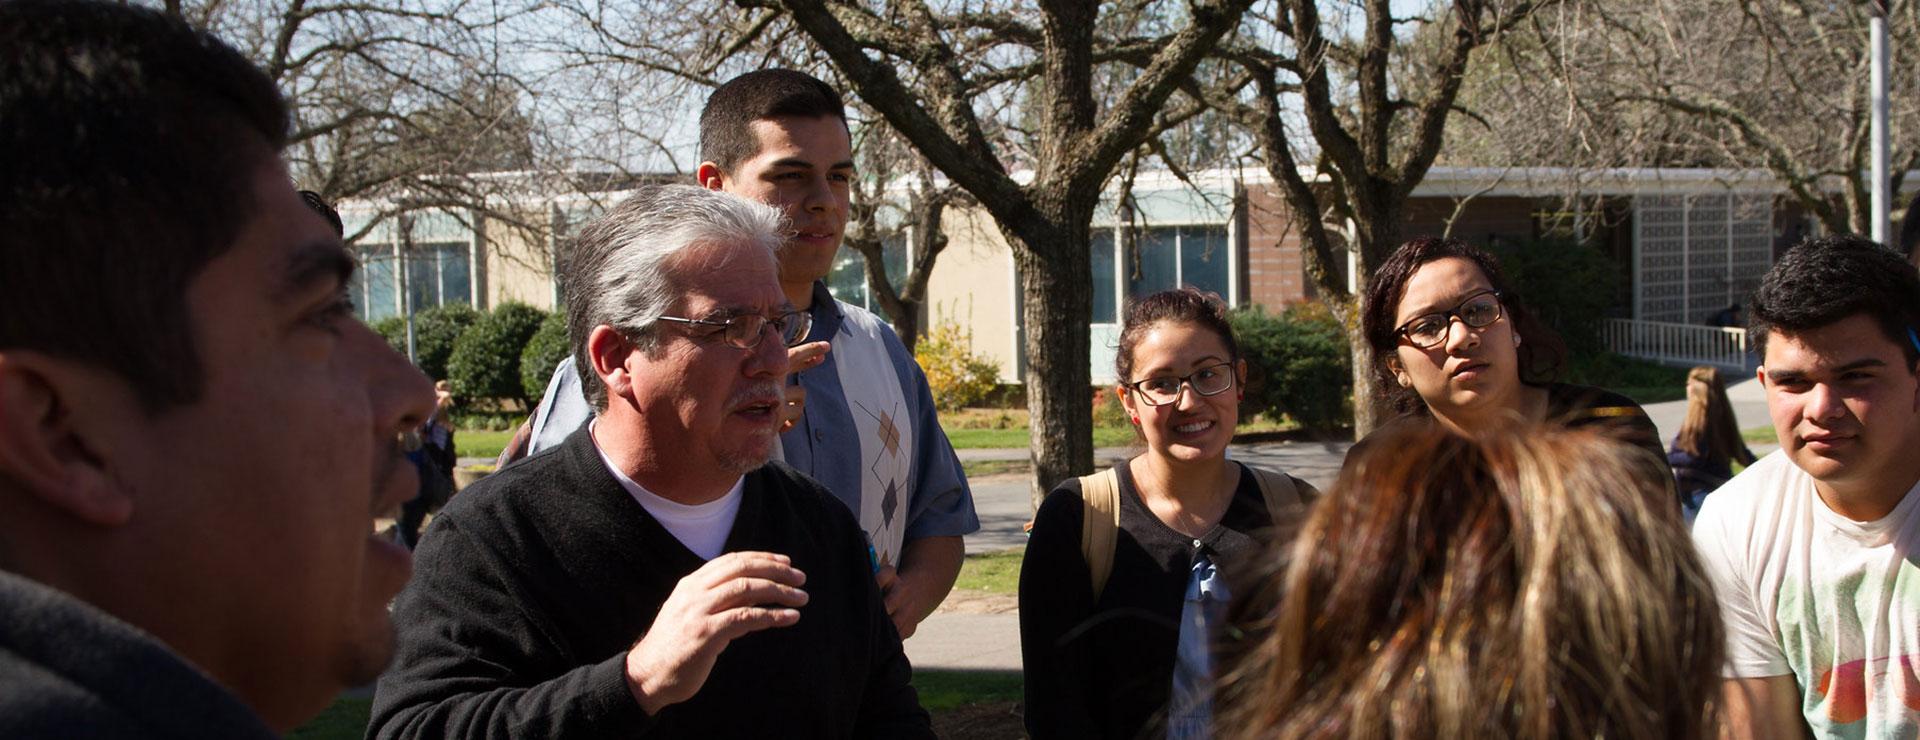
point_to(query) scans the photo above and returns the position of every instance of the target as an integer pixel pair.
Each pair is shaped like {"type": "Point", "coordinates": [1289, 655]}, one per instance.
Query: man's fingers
{"type": "Point", "coordinates": [806, 356]}
{"type": "Point", "coordinates": [894, 598]}
{"type": "Point", "coordinates": [741, 592]}
{"type": "Point", "coordinates": [795, 406]}
{"type": "Point", "coordinates": [770, 566]}
{"type": "Point", "coordinates": [749, 619]}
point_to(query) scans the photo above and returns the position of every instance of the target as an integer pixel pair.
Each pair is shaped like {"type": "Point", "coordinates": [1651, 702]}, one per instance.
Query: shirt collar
{"type": "Point", "coordinates": [825, 312]}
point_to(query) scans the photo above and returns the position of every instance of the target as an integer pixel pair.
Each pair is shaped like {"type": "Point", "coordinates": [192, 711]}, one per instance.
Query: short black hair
{"type": "Point", "coordinates": [725, 135]}
{"type": "Point", "coordinates": [128, 146]}
{"type": "Point", "coordinates": [1820, 282]}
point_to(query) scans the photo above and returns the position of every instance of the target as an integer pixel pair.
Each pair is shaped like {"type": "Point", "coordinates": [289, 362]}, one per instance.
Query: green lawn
{"type": "Point", "coordinates": [997, 572]}
{"type": "Point", "coordinates": [942, 691]}
{"type": "Point", "coordinates": [1643, 381]}
{"type": "Point", "coordinates": [982, 468]}
{"type": "Point", "coordinates": [480, 442]}
{"type": "Point", "coordinates": [1759, 434]}
{"type": "Point", "coordinates": [1016, 437]}
{"type": "Point", "coordinates": [346, 719]}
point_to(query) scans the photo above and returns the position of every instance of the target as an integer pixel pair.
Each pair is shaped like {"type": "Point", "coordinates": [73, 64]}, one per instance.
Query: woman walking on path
{"type": "Point", "coordinates": [1709, 442]}
{"type": "Point", "coordinates": [1128, 570]}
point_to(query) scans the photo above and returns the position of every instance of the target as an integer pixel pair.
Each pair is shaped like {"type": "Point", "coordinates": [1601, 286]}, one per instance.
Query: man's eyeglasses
{"type": "Point", "coordinates": [1211, 380]}
{"type": "Point", "coordinates": [1428, 331]}
{"type": "Point", "coordinates": [745, 330]}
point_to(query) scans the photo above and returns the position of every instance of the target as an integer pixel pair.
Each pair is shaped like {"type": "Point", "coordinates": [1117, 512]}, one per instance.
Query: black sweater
{"type": "Point", "coordinates": [531, 586]}
{"type": "Point", "coordinates": [1105, 670]}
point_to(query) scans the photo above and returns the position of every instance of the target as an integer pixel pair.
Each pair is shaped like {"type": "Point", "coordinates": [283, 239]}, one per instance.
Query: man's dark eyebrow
{"type": "Point", "coordinates": [1798, 376]}
{"type": "Point", "coordinates": [803, 164]}
{"type": "Point", "coordinates": [312, 263]}
{"type": "Point", "coordinates": [1861, 365]}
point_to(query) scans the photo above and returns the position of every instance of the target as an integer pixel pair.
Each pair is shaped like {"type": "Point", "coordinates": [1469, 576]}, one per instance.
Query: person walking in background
{"type": "Point", "coordinates": [435, 458]}
{"type": "Point", "coordinates": [1521, 582]}
{"type": "Point", "coordinates": [1454, 344]}
{"type": "Point", "coordinates": [1703, 453]}
{"type": "Point", "coordinates": [1128, 571]}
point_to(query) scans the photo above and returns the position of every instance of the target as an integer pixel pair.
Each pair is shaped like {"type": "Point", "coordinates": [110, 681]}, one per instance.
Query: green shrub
{"type": "Point", "coordinates": [958, 377]}
{"type": "Point", "coordinates": [1568, 286]}
{"type": "Point", "coordinates": [485, 362]}
{"type": "Point", "coordinates": [1298, 365]}
{"type": "Point", "coordinates": [544, 351]}
{"type": "Point", "coordinates": [1108, 411]}
{"type": "Point", "coordinates": [394, 330]}
{"type": "Point", "coordinates": [435, 330]}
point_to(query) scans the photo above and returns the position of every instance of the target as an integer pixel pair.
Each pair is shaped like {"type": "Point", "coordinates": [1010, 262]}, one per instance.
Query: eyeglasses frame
{"type": "Point", "coordinates": [1499, 312]}
{"type": "Point", "coordinates": [779, 323]}
{"type": "Point", "coordinates": [1186, 384]}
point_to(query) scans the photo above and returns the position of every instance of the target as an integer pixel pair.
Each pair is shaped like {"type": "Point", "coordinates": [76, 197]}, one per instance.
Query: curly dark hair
{"type": "Point", "coordinates": [1822, 281]}
{"type": "Point", "coordinates": [1541, 355]}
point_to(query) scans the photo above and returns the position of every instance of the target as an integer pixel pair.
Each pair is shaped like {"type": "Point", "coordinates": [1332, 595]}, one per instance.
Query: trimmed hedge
{"type": "Point", "coordinates": [485, 362]}
{"type": "Point", "coordinates": [543, 353]}
{"type": "Point", "coordinates": [1298, 365]}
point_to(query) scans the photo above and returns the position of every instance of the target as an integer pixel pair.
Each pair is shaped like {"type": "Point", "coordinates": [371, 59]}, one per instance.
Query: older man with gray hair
{"type": "Point", "coordinates": [654, 574]}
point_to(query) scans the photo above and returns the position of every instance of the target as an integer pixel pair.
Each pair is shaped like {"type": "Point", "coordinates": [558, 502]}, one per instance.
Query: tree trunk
{"type": "Point", "coordinates": [1057, 299]}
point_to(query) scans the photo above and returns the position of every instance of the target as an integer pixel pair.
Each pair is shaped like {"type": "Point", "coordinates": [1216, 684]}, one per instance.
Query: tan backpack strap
{"type": "Point", "coordinates": [1099, 525]}
{"type": "Point", "coordinates": [1287, 498]}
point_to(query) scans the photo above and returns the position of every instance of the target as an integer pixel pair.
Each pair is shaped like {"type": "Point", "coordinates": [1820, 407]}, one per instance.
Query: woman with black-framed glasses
{"type": "Point", "coordinates": [1454, 344]}
{"type": "Point", "coordinates": [1128, 571]}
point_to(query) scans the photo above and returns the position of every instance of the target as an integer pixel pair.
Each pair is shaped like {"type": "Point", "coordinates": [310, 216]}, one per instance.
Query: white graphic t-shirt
{"type": "Point", "coordinates": [1807, 592]}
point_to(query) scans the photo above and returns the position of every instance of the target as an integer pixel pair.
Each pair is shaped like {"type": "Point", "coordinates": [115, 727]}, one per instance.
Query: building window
{"type": "Point", "coordinates": [436, 274]}
{"type": "Point", "coordinates": [1163, 257]}
{"type": "Point", "coordinates": [848, 279]}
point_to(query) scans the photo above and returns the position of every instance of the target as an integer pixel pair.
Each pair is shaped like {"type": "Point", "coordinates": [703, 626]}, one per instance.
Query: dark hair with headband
{"type": "Point", "coordinates": [1823, 281]}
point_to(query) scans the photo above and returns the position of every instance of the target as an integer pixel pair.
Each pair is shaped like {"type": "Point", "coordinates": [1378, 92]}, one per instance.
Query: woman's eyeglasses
{"type": "Point", "coordinates": [1430, 330]}
{"type": "Point", "coordinates": [1211, 380]}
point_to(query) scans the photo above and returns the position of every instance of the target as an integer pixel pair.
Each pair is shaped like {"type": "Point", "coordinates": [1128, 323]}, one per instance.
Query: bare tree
{"type": "Point", "coordinates": [1093, 84]}
{"type": "Point", "coordinates": [1374, 104]}
{"type": "Point", "coordinates": [409, 105]}
{"type": "Point", "coordinates": [1717, 83]}
{"type": "Point", "coordinates": [898, 199]}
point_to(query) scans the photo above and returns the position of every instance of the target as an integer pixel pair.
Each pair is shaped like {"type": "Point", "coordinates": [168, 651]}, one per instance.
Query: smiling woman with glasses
{"type": "Point", "coordinates": [1453, 343]}
{"type": "Point", "coordinates": [1128, 570]}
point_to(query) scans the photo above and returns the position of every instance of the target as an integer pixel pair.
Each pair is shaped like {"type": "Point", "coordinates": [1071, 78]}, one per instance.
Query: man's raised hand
{"type": "Point", "coordinates": [732, 595]}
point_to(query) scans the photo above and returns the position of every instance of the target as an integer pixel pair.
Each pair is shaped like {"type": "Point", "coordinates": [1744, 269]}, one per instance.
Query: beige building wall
{"type": "Point", "coordinates": [519, 265]}
{"type": "Point", "coordinates": [972, 285]}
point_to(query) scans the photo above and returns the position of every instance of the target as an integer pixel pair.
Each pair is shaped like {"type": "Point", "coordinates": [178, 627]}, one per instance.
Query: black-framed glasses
{"type": "Point", "coordinates": [1478, 311]}
{"type": "Point", "coordinates": [1211, 380]}
{"type": "Point", "coordinates": [745, 330]}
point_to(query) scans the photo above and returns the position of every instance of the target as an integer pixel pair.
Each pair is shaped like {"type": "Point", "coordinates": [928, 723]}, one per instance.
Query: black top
{"type": "Point", "coordinates": [533, 583]}
{"type": "Point", "coordinates": [1105, 670]}
{"type": "Point", "coordinates": [1575, 406]}
{"type": "Point", "coordinates": [69, 670]}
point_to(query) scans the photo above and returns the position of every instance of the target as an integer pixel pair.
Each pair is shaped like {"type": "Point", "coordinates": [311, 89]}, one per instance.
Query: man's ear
{"type": "Point", "coordinates": [710, 176]}
{"type": "Point", "coordinates": [608, 352]}
{"type": "Point", "coordinates": [46, 447]}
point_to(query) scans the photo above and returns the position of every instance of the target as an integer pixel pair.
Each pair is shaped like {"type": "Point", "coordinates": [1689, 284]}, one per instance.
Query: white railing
{"type": "Point", "coordinates": [1678, 344]}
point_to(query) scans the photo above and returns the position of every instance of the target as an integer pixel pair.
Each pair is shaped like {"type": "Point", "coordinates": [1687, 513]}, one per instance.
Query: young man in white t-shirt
{"type": "Point", "coordinates": [1813, 549]}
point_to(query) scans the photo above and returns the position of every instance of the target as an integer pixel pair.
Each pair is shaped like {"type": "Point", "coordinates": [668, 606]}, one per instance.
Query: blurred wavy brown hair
{"type": "Point", "coordinates": [1534, 583]}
